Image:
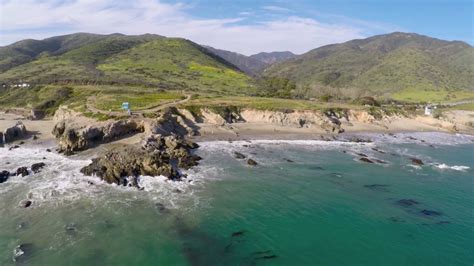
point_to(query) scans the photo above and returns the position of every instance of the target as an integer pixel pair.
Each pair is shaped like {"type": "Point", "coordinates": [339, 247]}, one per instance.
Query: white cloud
{"type": "Point", "coordinates": [45, 18]}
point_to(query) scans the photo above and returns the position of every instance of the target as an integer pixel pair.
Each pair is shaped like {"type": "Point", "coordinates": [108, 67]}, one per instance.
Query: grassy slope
{"type": "Point", "coordinates": [386, 64]}
{"type": "Point", "coordinates": [138, 60]}
{"type": "Point", "coordinates": [176, 64]}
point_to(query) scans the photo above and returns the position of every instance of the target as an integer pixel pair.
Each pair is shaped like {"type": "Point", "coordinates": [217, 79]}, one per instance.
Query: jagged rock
{"type": "Point", "coordinates": [416, 161]}
{"type": "Point", "coordinates": [16, 132]}
{"type": "Point", "coordinates": [188, 162]}
{"type": "Point", "coordinates": [360, 140]}
{"type": "Point", "coordinates": [78, 138]}
{"type": "Point", "coordinates": [22, 251]}
{"type": "Point", "coordinates": [158, 156]}
{"type": "Point", "coordinates": [252, 162]}
{"type": "Point", "coordinates": [1, 138]}
{"type": "Point", "coordinates": [239, 155]}
{"type": "Point", "coordinates": [26, 204]}
{"type": "Point", "coordinates": [23, 171]}
{"type": "Point", "coordinates": [365, 160]}
{"type": "Point", "coordinates": [4, 175]}
{"type": "Point", "coordinates": [36, 168]}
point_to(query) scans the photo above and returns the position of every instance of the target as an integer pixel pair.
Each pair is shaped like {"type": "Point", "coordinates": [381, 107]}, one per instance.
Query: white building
{"type": "Point", "coordinates": [429, 109]}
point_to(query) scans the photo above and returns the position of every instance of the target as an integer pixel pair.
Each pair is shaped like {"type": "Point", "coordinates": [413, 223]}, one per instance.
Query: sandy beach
{"type": "Point", "coordinates": [455, 122]}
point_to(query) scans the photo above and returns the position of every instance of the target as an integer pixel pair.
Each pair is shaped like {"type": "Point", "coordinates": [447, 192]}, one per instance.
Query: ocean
{"type": "Point", "coordinates": [305, 203]}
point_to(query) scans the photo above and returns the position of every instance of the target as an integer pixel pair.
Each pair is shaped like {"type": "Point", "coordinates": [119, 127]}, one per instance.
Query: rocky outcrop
{"type": "Point", "coordinates": [158, 156]}
{"type": "Point", "coordinates": [37, 114]}
{"type": "Point", "coordinates": [74, 138]}
{"type": "Point", "coordinates": [171, 121]}
{"type": "Point", "coordinates": [16, 132]}
{"type": "Point", "coordinates": [4, 175]}
{"type": "Point", "coordinates": [22, 171]}
{"type": "Point", "coordinates": [77, 133]}
{"type": "Point", "coordinates": [36, 167]}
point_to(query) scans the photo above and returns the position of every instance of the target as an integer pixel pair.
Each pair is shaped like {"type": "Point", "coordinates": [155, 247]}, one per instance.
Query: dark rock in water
{"type": "Point", "coordinates": [4, 175]}
{"type": "Point", "coordinates": [36, 168]}
{"type": "Point", "coordinates": [13, 147]}
{"type": "Point", "coordinates": [416, 161]}
{"type": "Point", "coordinates": [431, 213]}
{"type": "Point", "coordinates": [239, 155]}
{"type": "Point", "coordinates": [380, 161]}
{"type": "Point", "coordinates": [313, 167]}
{"type": "Point", "coordinates": [238, 233]}
{"type": "Point", "coordinates": [48, 150]}
{"type": "Point", "coordinates": [27, 204]}
{"type": "Point", "coordinates": [161, 207]}
{"type": "Point", "coordinates": [23, 171]}
{"type": "Point", "coordinates": [71, 229]}
{"type": "Point", "coordinates": [22, 251]}
{"type": "Point", "coordinates": [158, 156]}
{"type": "Point", "coordinates": [365, 160]}
{"type": "Point", "coordinates": [443, 222]}
{"type": "Point", "coordinates": [190, 161]}
{"type": "Point", "coordinates": [35, 137]}
{"type": "Point", "coordinates": [377, 187]}
{"type": "Point", "coordinates": [379, 151]}
{"type": "Point", "coordinates": [360, 140]}
{"type": "Point", "coordinates": [21, 143]}
{"type": "Point", "coordinates": [289, 161]}
{"type": "Point", "coordinates": [251, 162]}
{"type": "Point", "coordinates": [177, 191]}
{"type": "Point", "coordinates": [362, 155]}
{"type": "Point", "coordinates": [14, 133]}
{"type": "Point", "coordinates": [267, 257]}
{"type": "Point", "coordinates": [407, 202]}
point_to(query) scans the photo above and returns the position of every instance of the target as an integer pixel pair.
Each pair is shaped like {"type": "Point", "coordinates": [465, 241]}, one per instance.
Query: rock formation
{"type": "Point", "coordinates": [16, 132]}
{"type": "Point", "coordinates": [158, 156]}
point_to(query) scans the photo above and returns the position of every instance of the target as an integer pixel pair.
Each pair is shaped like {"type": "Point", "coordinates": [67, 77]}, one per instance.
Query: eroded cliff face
{"type": "Point", "coordinates": [77, 133]}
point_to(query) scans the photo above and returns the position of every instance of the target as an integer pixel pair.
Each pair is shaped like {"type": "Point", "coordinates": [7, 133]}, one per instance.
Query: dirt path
{"type": "Point", "coordinates": [91, 107]}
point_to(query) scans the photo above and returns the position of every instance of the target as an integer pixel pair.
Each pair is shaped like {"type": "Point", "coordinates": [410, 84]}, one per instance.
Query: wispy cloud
{"type": "Point", "coordinates": [276, 9]}
{"type": "Point", "coordinates": [45, 18]}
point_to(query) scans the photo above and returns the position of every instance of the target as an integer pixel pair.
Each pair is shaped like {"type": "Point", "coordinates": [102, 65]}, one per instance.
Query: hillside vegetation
{"type": "Point", "coordinates": [396, 63]}
{"type": "Point", "coordinates": [149, 60]}
{"type": "Point", "coordinates": [148, 70]}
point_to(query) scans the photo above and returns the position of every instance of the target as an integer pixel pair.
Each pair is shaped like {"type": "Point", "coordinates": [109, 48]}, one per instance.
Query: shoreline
{"type": "Point", "coordinates": [42, 129]}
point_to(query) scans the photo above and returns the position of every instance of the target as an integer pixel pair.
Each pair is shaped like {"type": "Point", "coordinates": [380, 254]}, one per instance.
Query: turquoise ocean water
{"type": "Point", "coordinates": [306, 203]}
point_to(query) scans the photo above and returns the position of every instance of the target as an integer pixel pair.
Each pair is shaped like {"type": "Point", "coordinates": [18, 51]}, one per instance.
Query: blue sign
{"type": "Point", "coordinates": [126, 106]}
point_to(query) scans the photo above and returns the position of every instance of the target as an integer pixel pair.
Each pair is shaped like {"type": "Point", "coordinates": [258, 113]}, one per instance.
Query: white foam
{"type": "Point", "coordinates": [461, 168]}
{"type": "Point", "coordinates": [423, 138]}
{"type": "Point", "coordinates": [60, 181]}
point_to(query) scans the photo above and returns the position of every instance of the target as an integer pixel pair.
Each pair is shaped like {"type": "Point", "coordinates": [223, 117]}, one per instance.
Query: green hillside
{"type": "Point", "coordinates": [148, 60]}
{"type": "Point", "coordinates": [385, 65]}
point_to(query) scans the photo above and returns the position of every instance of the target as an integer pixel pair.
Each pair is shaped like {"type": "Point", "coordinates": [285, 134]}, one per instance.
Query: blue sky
{"type": "Point", "coordinates": [245, 26]}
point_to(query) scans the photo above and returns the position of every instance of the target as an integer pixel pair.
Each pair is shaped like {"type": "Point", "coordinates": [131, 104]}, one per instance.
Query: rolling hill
{"type": "Point", "coordinates": [398, 64]}
{"type": "Point", "coordinates": [151, 60]}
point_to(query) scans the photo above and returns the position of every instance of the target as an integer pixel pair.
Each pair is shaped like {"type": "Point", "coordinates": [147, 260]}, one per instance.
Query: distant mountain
{"type": "Point", "coordinates": [247, 64]}
{"type": "Point", "coordinates": [273, 57]}
{"type": "Point", "coordinates": [397, 62]}
{"type": "Point", "coordinates": [119, 59]}
{"type": "Point", "coordinates": [253, 65]}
